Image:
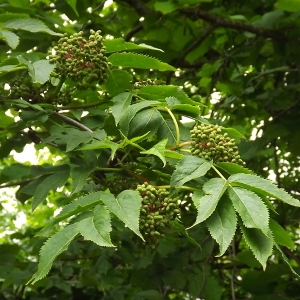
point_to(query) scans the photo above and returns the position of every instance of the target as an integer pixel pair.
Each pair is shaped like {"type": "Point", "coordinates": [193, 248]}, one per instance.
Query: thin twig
{"type": "Point", "coordinates": [72, 122]}
{"type": "Point", "coordinates": [17, 183]}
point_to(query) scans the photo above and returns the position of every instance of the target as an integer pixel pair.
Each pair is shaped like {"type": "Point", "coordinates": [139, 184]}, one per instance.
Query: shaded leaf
{"type": "Point", "coordinates": [79, 175]}
{"type": "Point", "coordinates": [251, 208]}
{"type": "Point", "coordinates": [260, 244]}
{"type": "Point", "coordinates": [281, 237]}
{"type": "Point", "coordinates": [232, 168]}
{"type": "Point", "coordinates": [130, 112]}
{"type": "Point", "coordinates": [147, 120]}
{"type": "Point", "coordinates": [52, 182]}
{"type": "Point", "coordinates": [118, 81]}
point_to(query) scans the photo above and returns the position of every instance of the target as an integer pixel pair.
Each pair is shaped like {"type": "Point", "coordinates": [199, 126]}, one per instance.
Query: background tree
{"type": "Point", "coordinates": [105, 116]}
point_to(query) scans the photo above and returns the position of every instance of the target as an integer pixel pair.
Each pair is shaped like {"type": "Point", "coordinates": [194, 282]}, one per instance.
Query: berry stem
{"type": "Point", "coordinates": [186, 188]}
{"type": "Point", "coordinates": [180, 145]}
{"type": "Point", "coordinates": [175, 124]}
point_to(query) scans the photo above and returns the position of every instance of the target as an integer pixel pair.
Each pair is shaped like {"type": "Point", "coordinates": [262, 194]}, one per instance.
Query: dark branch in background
{"type": "Point", "coordinates": [195, 14]}
{"type": "Point", "coordinates": [132, 32]}
{"type": "Point", "coordinates": [195, 44]}
{"type": "Point", "coordinates": [139, 6]}
{"type": "Point", "coordinates": [16, 183]}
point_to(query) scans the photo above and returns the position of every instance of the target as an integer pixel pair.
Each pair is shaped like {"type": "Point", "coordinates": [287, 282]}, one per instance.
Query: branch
{"type": "Point", "coordinates": [139, 6]}
{"type": "Point", "coordinates": [72, 122]}
{"type": "Point", "coordinates": [195, 44]}
{"type": "Point", "coordinates": [17, 183]}
{"type": "Point", "coordinates": [132, 32]}
{"type": "Point", "coordinates": [194, 14]}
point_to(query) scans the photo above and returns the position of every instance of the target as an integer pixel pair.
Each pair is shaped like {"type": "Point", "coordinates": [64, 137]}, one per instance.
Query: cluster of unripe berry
{"type": "Point", "coordinates": [82, 60]}
{"type": "Point", "coordinates": [23, 87]}
{"type": "Point", "coordinates": [157, 211]}
{"type": "Point", "coordinates": [117, 184]}
{"type": "Point", "coordinates": [209, 143]}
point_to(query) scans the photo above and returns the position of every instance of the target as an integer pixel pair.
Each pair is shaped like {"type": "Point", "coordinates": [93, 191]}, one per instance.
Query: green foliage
{"type": "Point", "coordinates": [156, 141]}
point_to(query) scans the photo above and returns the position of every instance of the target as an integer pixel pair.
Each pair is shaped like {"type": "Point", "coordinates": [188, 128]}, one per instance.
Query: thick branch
{"type": "Point", "coordinates": [132, 32]}
{"type": "Point", "coordinates": [238, 25]}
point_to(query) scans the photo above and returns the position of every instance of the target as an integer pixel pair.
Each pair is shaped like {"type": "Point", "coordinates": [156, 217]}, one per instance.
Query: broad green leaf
{"type": "Point", "coordinates": [52, 182]}
{"type": "Point", "coordinates": [120, 103]}
{"type": "Point", "coordinates": [22, 103]}
{"type": "Point", "coordinates": [75, 137]}
{"type": "Point", "coordinates": [81, 204]}
{"type": "Point", "coordinates": [10, 38]}
{"type": "Point", "coordinates": [41, 71]}
{"type": "Point", "coordinates": [181, 229]}
{"type": "Point", "coordinates": [134, 60]}
{"type": "Point", "coordinates": [288, 5]}
{"type": "Point", "coordinates": [189, 168]}
{"type": "Point", "coordinates": [97, 228]}
{"type": "Point", "coordinates": [173, 154]}
{"type": "Point", "coordinates": [72, 3]}
{"type": "Point", "coordinates": [281, 237]}
{"type": "Point", "coordinates": [127, 208]}
{"type": "Point", "coordinates": [167, 130]}
{"type": "Point", "coordinates": [264, 186]}
{"type": "Point", "coordinates": [165, 7]}
{"type": "Point", "coordinates": [186, 109]}
{"type": "Point", "coordinates": [118, 81]}
{"type": "Point", "coordinates": [222, 224]}
{"type": "Point", "coordinates": [232, 168]}
{"type": "Point", "coordinates": [147, 120]}
{"type": "Point", "coordinates": [158, 150]}
{"type": "Point", "coordinates": [12, 16]}
{"type": "Point", "coordinates": [29, 24]}
{"type": "Point", "coordinates": [164, 92]}
{"type": "Point", "coordinates": [148, 295]}
{"type": "Point", "coordinates": [260, 244]}
{"type": "Point", "coordinates": [101, 145]}
{"type": "Point", "coordinates": [79, 175]}
{"type": "Point", "coordinates": [130, 112]}
{"type": "Point", "coordinates": [233, 133]}
{"type": "Point", "coordinates": [251, 208]}
{"type": "Point", "coordinates": [206, 204]}
{"type": "Point", "coordinates": [116, 45]}
{"type": "Point", "coordinates": [54, 246]}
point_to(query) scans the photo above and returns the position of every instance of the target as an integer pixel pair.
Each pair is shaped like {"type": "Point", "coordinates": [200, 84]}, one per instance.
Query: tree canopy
{"type": "Point", "coordinates": [165, 135]}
